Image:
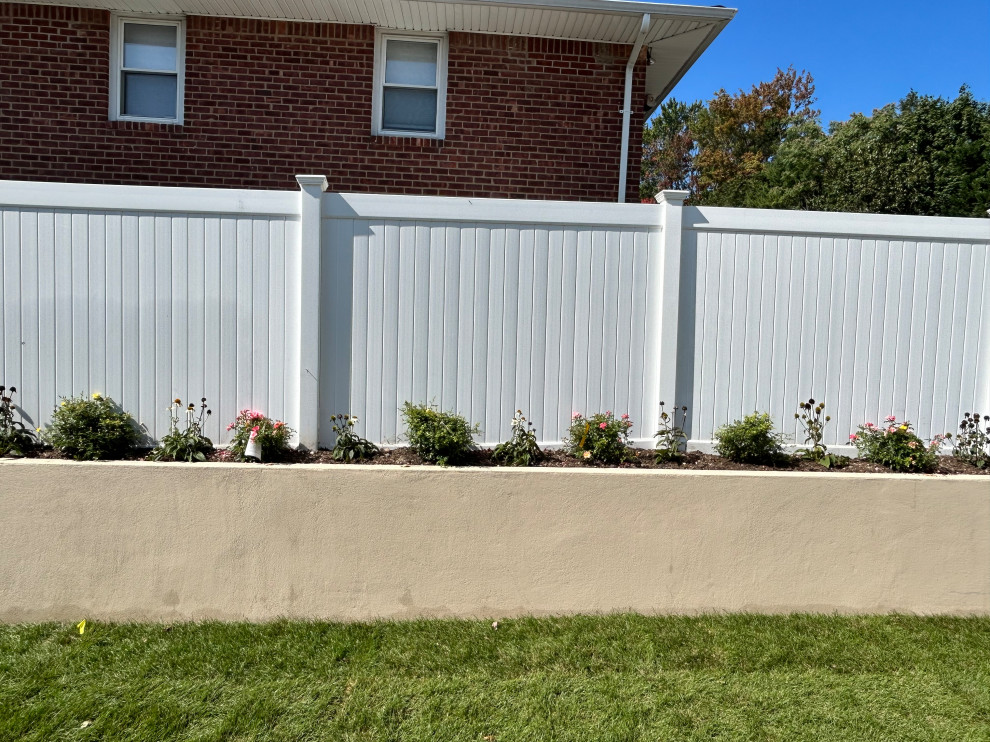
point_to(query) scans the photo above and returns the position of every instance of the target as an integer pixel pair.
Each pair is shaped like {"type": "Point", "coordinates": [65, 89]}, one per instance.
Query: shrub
{"type": "Point", "coordinates": [15, 438]}
{"type": "Point", "coordinates": [897, 446]}
{"type": "Point", "coordinates": [601, 438]}
{"type": "Point", "coordinates": [188, 444]}
{"type": "Point", "coordinates": [349, 446]}
{"type": "Point", "coordinates": [272, 436]}
{"type": "Point", "coordinates": [812, 418]}
{"type": "Point", "coordinates": [671, 438]}
{"type": "Point", "coordinates": [442, 438]}
{"type": "Point", "coordinates": [91, 429]}
{"type": "Point", "coordinates": [751, 440]}
{"type": "Point", "coordinates": [973, 443]}
{"type": "Point", "coordinates": [521, 449]}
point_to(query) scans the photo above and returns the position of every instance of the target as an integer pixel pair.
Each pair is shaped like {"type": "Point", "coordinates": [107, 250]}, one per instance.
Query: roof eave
{"type": "Point", "coordinates": [688, 63]}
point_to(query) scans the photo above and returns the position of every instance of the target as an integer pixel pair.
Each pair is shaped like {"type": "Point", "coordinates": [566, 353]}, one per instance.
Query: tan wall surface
{"type": "Point", "coordinates": [178, 542]}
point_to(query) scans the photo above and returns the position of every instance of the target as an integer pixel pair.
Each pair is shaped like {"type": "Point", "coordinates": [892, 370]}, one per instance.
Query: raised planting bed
{"type": "Point", "coordinates": [643, 458]}
{"type": "Point", "coordinates": [146, 541]}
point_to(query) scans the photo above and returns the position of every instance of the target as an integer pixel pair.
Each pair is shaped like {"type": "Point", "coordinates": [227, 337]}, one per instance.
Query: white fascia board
{"type": "Point", "coordinates": [302, 10]}
{"type": "Point", "coordinates": [148, 198]}
{"type": "Point", "coordinates": [623, 7]}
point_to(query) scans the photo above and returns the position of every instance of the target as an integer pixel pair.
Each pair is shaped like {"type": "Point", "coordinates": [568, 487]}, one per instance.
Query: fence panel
{"type": "Point", "coordinates": [144, 299]}
{"type": "Point", "coordinates": [874, 315]}
{"type": "Point", "coordinates": [486, 309]}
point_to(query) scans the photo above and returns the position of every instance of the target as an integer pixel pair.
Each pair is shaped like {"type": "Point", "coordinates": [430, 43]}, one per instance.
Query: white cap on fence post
{"type": "Point", "coordinates": [674, 198]}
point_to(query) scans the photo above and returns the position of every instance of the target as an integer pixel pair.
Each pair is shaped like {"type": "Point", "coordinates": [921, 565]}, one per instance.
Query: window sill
{"type": "Point", "coordinates": [393, 141]}
{"type": "Point", "coordinates": [129, 125]}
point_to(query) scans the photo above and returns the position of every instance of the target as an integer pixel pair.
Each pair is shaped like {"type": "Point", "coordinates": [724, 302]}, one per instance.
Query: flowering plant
{"type": "Point", "coordinates": [349, 445]}
{"type": "Point", "coordinates": [601, 438]}
{"type": "Point", "coordinates": [443, 438]}
{"type": "Point", "coordinates": [272, 436]}
{"type": "Point", "coordinates": [895, 444]}
{"type": "Point", "coordinates": [972, 444]}
{"type": "Point", "coordinates": [671, 438]}
{"type": "Point", "coordinates": [94, 428]}
{"type": "Point", "coordinates": [813, 419]}
{"type": "Point", "coordinates": [188, 444]}
{"type": "Point", "coordinates": [15, 438]}
{"type": "Point", "coordinates": [752, 440]}
{"type": "Point", "coordinates": [521, 449]}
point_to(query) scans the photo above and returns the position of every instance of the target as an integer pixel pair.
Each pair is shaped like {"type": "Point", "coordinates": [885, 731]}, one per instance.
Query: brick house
{"type": "Point", "coordinates": [506, 98]}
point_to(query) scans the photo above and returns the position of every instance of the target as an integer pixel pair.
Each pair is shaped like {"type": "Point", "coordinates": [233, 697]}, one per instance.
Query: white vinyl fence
{"type": "Point", "coordinates": [486, 307]}
{"type": "Point", "coordinates": [148, 294]}
{"type": "Point", "coordinates": [305, 304]}
{"type": "Point", "coordinates": [875, 315]}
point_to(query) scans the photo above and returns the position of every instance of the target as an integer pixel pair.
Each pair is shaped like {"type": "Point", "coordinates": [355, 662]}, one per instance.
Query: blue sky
{"type": "Point", "coordinates": [861, 55]}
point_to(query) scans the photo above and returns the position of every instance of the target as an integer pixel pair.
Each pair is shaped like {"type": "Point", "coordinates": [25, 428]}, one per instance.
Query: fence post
{"type": "Point", "coordinates": [671, 215]}
{"type": "Point", "coordinates": [308, 309]}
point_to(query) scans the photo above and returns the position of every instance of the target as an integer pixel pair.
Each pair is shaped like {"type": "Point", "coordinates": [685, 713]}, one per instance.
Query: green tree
{"type": "Point", "coordinates": [738, 135]}
{"type": "Point", "coordinates": [668, 149]}
{"type": "Point", "coordinates": [717, 150]}
{"type": "Point", "coordinates": [767, 149]}
{"type": "Point", "coordinates": [923, 155]}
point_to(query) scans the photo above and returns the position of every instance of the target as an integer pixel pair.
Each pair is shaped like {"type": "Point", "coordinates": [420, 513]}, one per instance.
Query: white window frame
{"type": "Point", "coordinates": [377, 106]}
{"type": "Point", "coordinates": [117, 61]}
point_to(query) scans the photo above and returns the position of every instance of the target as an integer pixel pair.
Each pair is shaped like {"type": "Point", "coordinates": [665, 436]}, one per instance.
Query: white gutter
{"type": "Point", "coordinates": [627, 106]}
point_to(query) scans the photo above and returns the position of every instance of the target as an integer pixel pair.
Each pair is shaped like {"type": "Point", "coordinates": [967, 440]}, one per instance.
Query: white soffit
{"type": "Point", "coordinates": [677, 36]}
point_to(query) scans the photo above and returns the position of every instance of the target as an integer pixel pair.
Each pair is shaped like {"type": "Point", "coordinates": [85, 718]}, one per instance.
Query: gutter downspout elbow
{"type": "Point", "coordinates": [627, 106]}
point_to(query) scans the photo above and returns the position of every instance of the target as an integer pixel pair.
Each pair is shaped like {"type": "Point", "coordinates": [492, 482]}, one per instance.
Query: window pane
{"type": "Point", "coordinates": [150, 96]}
{"type": "Point", "coordinates": [409, 110]}
{"type": "Point", "coordinates": [149, 47]}
{"type": "Point", "coordinates": [410, 62]}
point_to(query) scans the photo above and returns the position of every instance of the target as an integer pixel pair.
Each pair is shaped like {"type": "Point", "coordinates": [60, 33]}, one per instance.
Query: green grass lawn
{"type": "Point", "coordinates": [592, 679]}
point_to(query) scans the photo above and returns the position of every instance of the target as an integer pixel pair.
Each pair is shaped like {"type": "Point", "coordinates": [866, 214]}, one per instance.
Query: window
{"type": "Point", "coordinates": [410, 85]}
{"type": "Point", "coordinates": [146, 70]}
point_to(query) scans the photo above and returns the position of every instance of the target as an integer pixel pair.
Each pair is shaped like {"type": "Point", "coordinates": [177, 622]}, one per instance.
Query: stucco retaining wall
{"type": "Point", "coordinates": [178, 542]}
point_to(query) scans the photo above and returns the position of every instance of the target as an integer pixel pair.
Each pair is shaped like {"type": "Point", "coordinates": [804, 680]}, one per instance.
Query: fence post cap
{"type": "Point", "coordinates": [312, 180]}
{"type": "Point", "coordinates": [674, 198]}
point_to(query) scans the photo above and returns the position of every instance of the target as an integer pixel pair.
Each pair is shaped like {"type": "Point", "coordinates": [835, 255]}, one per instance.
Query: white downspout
{"type": "Point", "coordinates": [627, 106]}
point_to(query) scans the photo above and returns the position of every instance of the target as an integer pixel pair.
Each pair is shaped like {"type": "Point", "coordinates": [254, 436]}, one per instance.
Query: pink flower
{"type": "Point", "coordinates": [871, 426]}
{"type": "Point", "coordinates": [230, 427]}
{"type": "Point", "coordinates": [890, 419]}
{"type": "Point", "coordinates": [279, 424]}
{"type": "Point", "coordinates": [254, 434]}
{"type": "Point", "coordinates": [625, 416]}
{"type": "Point", "coordinates": [891, 429]}
{"type": "Point", "coordinates": [853, 437]}
{"type": "Point", "coordinates": [575, 415]}
{"type": "Point", "coordinates": [255, 429]}
{"type": "Point", "coordinates": [608, 413]}
{"type": "Point", "coordinates": [602, 426]}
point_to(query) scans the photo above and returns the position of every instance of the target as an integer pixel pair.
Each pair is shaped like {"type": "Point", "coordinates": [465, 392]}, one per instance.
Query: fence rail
{"type": "Point", "coordinates": [310, 303]}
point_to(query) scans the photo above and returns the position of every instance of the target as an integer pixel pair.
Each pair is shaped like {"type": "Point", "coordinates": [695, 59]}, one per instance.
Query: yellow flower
{"type": "Point", "coordinates": [96, 395]}
{"type": "Point", "coordinates": [587, 454]}
{"type": "Point", "coordinates": [904, 427]}
{"type": "Point", "coordinates": [37, 430]}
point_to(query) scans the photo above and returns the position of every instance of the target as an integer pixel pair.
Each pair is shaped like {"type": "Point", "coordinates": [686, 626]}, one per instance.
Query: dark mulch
{"type": "Point", "coordinates": [641, 459]}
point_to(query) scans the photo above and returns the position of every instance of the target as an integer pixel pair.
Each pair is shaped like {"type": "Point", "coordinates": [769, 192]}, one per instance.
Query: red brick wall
{"type": "Point", "coordinates": [265, 100]}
